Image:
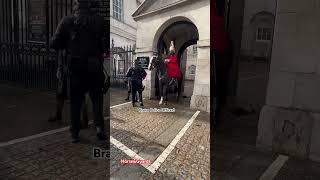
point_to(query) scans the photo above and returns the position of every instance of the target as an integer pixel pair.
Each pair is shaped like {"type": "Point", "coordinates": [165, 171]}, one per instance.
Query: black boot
{"type": "Point", "coordinates": [75, 138]}
{"type": "Point", "coordinates": [84, 124]}
{"type": "Point", "coordinates": [101, 135]}
{"type": "Point", "coordinates": [128, 97]}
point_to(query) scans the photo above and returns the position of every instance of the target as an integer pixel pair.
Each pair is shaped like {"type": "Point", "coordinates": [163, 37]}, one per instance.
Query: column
{"type": "Point", "coordinates": [290, 121]}
{"type": "Point", "coordinates": [200, 99]}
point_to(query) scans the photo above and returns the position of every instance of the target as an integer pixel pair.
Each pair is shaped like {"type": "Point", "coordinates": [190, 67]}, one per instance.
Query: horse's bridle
{"type": "Point", "coordinates": [155, 63]}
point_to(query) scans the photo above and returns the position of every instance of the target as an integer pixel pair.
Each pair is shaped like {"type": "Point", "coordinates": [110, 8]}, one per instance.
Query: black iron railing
{"type": "Point", "coordinates": [25, 29]}
{"type": "Point", "coordinates": [122, 60]}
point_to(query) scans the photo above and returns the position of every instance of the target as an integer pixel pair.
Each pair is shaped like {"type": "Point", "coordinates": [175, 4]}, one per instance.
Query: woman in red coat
{"type": "Point", "coordinates": [173, 64]}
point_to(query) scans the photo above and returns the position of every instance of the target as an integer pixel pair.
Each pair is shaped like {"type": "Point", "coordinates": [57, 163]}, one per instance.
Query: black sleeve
{"type": "Point", "coordinates": [129, 73]}
{"type": "Point", "coordinates": [61, 36]}
{"type": "Point", "coordinates": [144, 73]}
{"type": "Point", "coordinates": [105, 36]}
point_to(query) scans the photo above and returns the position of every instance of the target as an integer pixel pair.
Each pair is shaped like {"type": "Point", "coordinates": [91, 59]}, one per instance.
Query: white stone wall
{"type": "Point", "coordinates": [124, 32]}
{"type": "Point", "coordinates": [198, 13]}
{"type": "Point", "coordinates": [294, 82]}
{"type": "Point", "coordinates": [191, 60]}
{"type": "Point", "coordinates": [252, 7]}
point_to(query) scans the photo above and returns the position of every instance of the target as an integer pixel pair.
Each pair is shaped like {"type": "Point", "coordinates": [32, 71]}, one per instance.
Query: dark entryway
{"type": "Point", "coordinates": [183, 33]}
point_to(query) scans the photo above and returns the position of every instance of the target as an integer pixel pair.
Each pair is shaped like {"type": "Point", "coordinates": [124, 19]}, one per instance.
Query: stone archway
{"type": "Point", "coordinates": [152, 24]}
{"type": "Point", "coordinates": [167, 25]}
{"type": "Point", "coordinates": [184, 33]}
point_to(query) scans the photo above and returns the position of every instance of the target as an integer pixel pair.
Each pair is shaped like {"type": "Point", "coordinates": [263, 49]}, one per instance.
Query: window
{"type": "Point", "coordinates": [195, 49]}
{"type": "Point", "coordinates": [264, 34]}
{"type": "Point", "coordinates": [118, 9]}
{"type": "Point", "coordinates": [192, 70]}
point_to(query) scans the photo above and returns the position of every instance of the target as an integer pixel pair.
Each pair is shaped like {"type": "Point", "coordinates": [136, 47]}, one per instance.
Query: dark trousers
{"type": "Point", "coordinates": [84, 81]}
{"type": "Point", "coordinates": [136, 87]}
{"type": "Point", "coordinates": [62, 95]}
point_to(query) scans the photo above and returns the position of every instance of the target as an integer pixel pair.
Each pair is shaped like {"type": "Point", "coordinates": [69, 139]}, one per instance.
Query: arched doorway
{"type": "Point", "coordinates": [183, 33]}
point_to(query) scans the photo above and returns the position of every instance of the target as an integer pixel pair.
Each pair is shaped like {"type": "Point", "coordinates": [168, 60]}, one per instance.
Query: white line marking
{"type": "Point", "coordinates": [19, 140]}
{"type": "Point", "coordinates": [274, 168]}
{"type": "Point", "coordinates": [157, 163]}
{"type": "Point", "coordinates": [127, 151]}
{"type": "Point", "coordinates": [33, 137]}
{"type": "Point", "coordinates": [152, 168]}
{"type": "Point", "coordinates": [122, 104]}
{"type": "Point", "coordinates": [119, 105]}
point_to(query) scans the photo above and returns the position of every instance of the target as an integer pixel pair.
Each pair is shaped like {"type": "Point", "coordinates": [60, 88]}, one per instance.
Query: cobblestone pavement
{"type": "Point", "coordinates": [54, 157]}
{"type": "Point", "coordinates": [26, 111]}
{"type": "Point", "coordinates": [117, 96]}
{"type": "Point", "coordinates": [297, 169]}
{"type": "Point", "coordinates": [234, 154]}
{"type": "Point", "coordinates": [148, 134]}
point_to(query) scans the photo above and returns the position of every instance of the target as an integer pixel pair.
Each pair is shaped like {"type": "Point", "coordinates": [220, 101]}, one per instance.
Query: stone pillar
{"type": "Point", "coordinates": [290, 121]}
{"type": "Point", "coordinates": [200, 99]}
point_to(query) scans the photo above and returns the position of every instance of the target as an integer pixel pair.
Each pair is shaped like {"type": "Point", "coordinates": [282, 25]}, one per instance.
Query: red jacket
{"type": "Point", "coordinates": [173, 67]}
{"type": "Point", "coordinates": [219, 37]}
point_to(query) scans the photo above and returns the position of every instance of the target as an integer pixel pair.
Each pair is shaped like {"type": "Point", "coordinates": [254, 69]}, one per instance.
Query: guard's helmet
{"type": "Point", "coordinates": [172, 49]}
{"type": "Point", "coordinates": [136, 62]}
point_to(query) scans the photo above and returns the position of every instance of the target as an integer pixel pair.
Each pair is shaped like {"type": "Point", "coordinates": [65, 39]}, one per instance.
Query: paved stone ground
{"type": "Point", "coordinates": [53, 157]}
{"type": "Point", "coordinates": [26, 111]}
{"type": "Point", "coordinates": [235, 155]}
{"type": "Point", "coordinates": [234, 151]}
{"type": "Point", "coordinates": [297, 169]}
{"type": "Point", "coordinates": [148, 134]}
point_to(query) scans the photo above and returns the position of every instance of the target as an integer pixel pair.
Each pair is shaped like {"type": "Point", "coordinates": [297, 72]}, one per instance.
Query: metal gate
{"type": "Point", "coordinates": [25, 29]}
{"type": "Point", "coordinates": [122, 60]}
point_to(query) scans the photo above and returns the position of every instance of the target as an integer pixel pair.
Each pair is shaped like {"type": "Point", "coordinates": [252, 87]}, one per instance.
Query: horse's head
{"type": "Point", "coordinates": [153, 63]}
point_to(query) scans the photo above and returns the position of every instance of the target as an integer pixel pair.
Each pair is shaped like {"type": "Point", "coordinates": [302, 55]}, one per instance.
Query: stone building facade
{"type": "Point", "coordinates": [123, 28]}
{"type": "Point", "coordinates": [191, 62]}
{"type": "Point", "coordinates": [186, 23]}
{"type": "Point", "coordinates": [258, 24]}
{"type": "Point", "coordinates": [290, 121]}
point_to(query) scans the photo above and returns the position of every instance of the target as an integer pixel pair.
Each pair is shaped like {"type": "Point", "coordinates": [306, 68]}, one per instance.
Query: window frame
{"type": "Point", "coordinates": [195, 49]}
{"type": "Point", "coordinates": [192, 70]}
{"type": "Point", "coordinates": [117, 10]}
{"type": "Point", "coordinates": [263, 29]}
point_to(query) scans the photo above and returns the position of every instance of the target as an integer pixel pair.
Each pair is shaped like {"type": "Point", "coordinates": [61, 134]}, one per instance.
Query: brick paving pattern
{"type": "Point", "coordinates": [297, 169]}
{"type": "Point", "coordinates": [148, 134]}
{"type": "Point", "coordinates": [53, 157]}
{"type": "Point", "coordinates": [142, 133]}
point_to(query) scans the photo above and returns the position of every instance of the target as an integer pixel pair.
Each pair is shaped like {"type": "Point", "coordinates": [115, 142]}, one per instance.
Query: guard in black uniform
{"type": "Point", "coordinates": [63, 95]}
{"type": "Point", "coordinates": [136, 74]}
{"type": "Point", "coordinates": [84, 36]}
{"type": "Point", "coordinates": [128, 82]}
